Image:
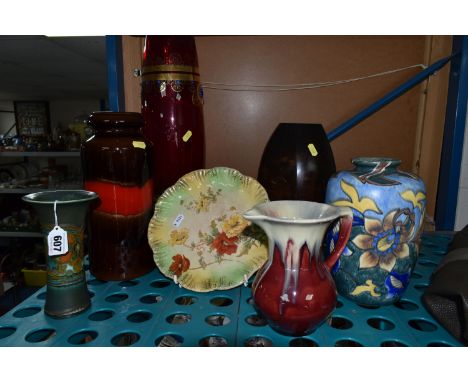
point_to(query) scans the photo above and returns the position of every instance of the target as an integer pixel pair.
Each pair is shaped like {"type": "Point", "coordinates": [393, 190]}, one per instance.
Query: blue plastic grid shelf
{"type": "Point", "coordinates": [143, 311]}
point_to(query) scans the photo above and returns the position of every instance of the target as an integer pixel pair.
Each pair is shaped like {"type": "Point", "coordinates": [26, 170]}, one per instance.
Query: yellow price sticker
{"type": "Point", "coordinates": [187, 136]}
{"type": "Point", "coordinates": [139, 144]}
{"type": "Point", "coordinates": [312, 149]}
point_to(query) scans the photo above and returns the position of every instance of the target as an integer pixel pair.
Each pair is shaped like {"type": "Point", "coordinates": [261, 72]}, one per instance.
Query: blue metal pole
{"type": "Point", "coordinates": [418, 78]}
{"type": "Point", "coordinates": [452, 148]}
{"type": "Point", "coordinates": [115, 73]}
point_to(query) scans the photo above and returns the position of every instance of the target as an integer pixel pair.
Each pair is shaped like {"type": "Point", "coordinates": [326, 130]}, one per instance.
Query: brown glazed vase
{"type": "Point", "coordinates": [116, 163]}
{"type": "Point", "coordinates": [172, 108]}
{"type": "Point", "coordinates": [297, 163]}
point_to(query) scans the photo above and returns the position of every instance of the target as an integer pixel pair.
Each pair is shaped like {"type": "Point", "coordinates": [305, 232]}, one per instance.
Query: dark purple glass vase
{"type": "Point", "coordinates": [297, 163]}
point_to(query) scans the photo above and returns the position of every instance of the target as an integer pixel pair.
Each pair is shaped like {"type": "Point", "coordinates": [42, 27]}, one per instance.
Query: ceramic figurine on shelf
{"type": "Point", "coordinates": [388, 207]}
{"type": "Point", "coordinates": [116, 164]}
{"type": "Point", "coordinates": [171, 105]}
{"type": "Point", "coordinates": [294, 289]}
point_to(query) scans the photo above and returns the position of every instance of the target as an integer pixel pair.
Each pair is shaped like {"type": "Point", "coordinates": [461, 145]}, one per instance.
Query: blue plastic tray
{"type": "Point", "coordinates": [151, 309]}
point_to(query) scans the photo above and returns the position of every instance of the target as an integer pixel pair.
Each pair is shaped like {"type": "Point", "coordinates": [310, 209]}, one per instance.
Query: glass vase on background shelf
{"type": "Point", "coordinates": [388, 216]}
{"type": "Point", "coordinates": [116, 163]}
{"type": "Point", "coordinates": [66, 139]}
{"type": "Point", "coordinates": [172, 108]}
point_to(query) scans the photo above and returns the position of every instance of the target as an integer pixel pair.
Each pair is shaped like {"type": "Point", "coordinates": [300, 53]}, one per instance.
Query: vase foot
{"type": "Point", "coordinates": [67, 301]}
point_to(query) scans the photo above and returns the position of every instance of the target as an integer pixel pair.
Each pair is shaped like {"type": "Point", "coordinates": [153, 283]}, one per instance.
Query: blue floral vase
{"type": "Point", "coordinates": [388, 211]}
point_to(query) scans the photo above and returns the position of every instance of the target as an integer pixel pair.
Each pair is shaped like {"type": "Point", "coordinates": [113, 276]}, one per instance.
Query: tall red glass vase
{"type": "Point", "coordinates": [172, 100]}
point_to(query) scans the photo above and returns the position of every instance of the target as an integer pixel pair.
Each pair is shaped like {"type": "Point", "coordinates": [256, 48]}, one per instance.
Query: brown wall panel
{"type": "Point", "coordinates": [427, 162]}
{"type": "Point", "coordinates": [132, 48]}
{"type": "Point", "coordinates": [239, 123]}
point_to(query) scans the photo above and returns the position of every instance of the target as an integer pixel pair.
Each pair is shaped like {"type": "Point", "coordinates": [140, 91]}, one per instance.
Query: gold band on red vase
{"type": "Point", "coordinates": [171, 77]}
{"type": "Point", "coordinates": [171, 72]}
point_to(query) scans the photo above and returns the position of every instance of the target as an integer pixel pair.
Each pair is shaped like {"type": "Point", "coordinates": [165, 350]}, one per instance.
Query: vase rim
{"type": "Point", "coordinates": [300, 124]}
{"type": "Point", "coordinates": [61, 196]}
{"type": "Point", "coordinates": [375, 160]}
{"type": "Point", "coordinates": [113, 120]}
{"type": "Point", "coordinates": [297, 212]}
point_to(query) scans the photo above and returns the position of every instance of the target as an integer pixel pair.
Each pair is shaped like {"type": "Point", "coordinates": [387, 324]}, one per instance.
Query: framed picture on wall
{"type": "Point", "coordinates": [32, 118]}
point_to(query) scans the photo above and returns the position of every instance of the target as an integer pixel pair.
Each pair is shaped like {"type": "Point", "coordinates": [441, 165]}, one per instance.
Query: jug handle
{"type": "Point", "coordinates": [346, 223]}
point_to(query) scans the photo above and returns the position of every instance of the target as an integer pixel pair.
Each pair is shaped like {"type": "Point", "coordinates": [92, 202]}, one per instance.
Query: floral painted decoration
{"type": "Point", "coordinates": [198, 233]}
{"type": "Point", "coordinates": [179, 237]}
{"type": "Point", "coordinates": [234, 225]}
{"type": "Point", "coordinates": [388, 218]}
{"type": "Point", "coordinates": [223, 244]}
{"type": "Point", "coordinates": [385, 241]}
{"type": "Point", "coordinates": [180, 264]}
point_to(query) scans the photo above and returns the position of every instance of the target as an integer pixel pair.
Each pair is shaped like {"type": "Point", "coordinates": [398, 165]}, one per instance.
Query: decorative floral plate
{"type": "Point", "coordinates": [198, 235]}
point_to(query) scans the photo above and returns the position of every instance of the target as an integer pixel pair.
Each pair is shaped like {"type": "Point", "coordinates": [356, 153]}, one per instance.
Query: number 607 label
{"type": "Point", "coordinates": [57, 241]}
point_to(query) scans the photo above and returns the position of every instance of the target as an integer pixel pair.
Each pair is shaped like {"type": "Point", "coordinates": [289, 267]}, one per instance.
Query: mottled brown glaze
{"type": "Point", "coordinates": [120, 246]}
{"type": "Point", "coordinates": [109, 155]}
{"type": "Point", "coordinates": [117, 164]}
